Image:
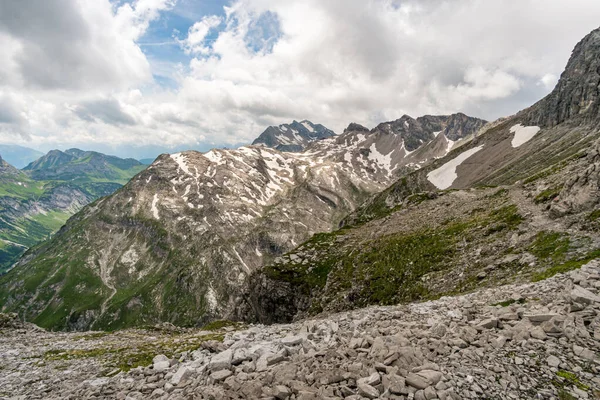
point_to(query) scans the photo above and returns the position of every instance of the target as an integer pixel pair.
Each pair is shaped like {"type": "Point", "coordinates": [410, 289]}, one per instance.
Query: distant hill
{"type": "Point", "coordinates": [37, 200]}
{"type": "Point", "coordinates": [75, 164]}
{"type": "Point", "coordinates": [18, 156]}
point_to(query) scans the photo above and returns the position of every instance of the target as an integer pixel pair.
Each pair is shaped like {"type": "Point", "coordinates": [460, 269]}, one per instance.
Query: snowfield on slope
{"type": "Point", "coordinates": [523, 134]}
{"type": "Point", "coordinates": [444, 176]}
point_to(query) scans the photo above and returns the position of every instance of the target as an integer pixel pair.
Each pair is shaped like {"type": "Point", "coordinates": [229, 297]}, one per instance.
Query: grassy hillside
{"type": "Point", "coordinates": [37, 201]}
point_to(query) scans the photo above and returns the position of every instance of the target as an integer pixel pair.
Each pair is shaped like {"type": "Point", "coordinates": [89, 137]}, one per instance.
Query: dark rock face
{"type": "Point", "coordinates": [460, 125]}
{"type": "Point", "coordinates": [354, 127]}
{"type": "Point", "coordinates": [577, 94]}
{"type": "Point", "coordinates": [416, 132]}
{"type": "Point", "coordinates": [294, 137]}
{"type": "Point", "coordinates": [270, 302]}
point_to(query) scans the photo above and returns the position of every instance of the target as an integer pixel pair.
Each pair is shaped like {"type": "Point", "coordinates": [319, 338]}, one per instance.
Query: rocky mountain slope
{"type": "Point", "coordinates": [294, 137]}
{"type": "Point", "coordinates": [524, 341]}
{"type": "Point", "coordinates": [527, 209]}
{"type": "Point", "coordinates": [36, 201]}
{"type": "Point", "coordinates": [177, 242]}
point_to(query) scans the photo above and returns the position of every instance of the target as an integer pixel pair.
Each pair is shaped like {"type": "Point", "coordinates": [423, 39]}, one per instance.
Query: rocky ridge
{"type": "Point", "coordinates": [294, 137]}
{"type": "Point", "coordinates": [537, 340]}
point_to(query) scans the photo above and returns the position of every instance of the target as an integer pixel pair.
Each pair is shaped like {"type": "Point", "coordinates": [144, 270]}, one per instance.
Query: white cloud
{"type": "Point", "coordinates": [194, 42]}
{"type": "Point", "coordinates": [267, 62]}
{"type": "Point", "coordinates": [75, 45]}
{"type": "Point", "coordinates": [549, 81]}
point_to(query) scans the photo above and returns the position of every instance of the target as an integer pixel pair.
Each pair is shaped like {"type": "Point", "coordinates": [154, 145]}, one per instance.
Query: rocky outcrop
{"type": "Point", "coordinates": [581, 191]}
{"type": "Point", "coordinates": [536, 340]}
{"type": "Point", "coordinates": [6, 169]}
{"type": "Point", "coordinates": [416, 132]}
{"type": "Point", "coordinates": [577, 94]}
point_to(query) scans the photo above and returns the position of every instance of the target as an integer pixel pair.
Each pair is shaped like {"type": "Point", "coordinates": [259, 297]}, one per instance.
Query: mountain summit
{"type": "Point", "coordinates": [577, 94]}
{"type": "Point", "coordinates": [294, 137]}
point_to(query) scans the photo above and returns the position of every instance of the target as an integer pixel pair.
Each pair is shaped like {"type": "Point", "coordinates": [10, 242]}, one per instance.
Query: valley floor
{"type": "Point", "coordinates": [537, 340]}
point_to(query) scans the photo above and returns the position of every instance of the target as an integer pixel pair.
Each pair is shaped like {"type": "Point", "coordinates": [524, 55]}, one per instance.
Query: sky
{"type": "Point", "coordinates": [141, 77]}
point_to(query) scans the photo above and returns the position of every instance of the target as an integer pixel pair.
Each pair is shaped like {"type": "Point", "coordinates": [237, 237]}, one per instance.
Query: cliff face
{"type": "Point", "coordinates": [577, 94]}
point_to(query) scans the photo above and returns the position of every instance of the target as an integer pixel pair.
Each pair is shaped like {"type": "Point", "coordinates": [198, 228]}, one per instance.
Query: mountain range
{"type": "Point", "coordinates": [179, 240]}
{"type": "Point", "coordinates": [305, 221]}
{"type": "Point", "coordinates": [37, 200]}
{"type": "Point", "coordinates": [518, 201]}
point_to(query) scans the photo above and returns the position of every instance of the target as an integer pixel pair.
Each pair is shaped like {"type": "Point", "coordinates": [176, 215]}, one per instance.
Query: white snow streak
{"type": "Point", "coordinates": [444, 176]}
{"type": "Point", "coordinates": [154, 206]}
{"type": "Point", "coordinates": [307, 126]}
{"type": "Point", "coordinates": [523, 134]}
{"type": "Point", "coordinates": [242, 261]}
{"type": "Point", "coordinates": [384, 161]}
{"type": "Point", "coordinates": [450, 145]}
{"type": "Point", "coordinates": [215, 157]}
{"type": "Point", "coordinates": [180, 160]}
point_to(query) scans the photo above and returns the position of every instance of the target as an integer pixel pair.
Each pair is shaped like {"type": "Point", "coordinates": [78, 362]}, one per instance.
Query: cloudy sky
{"type": "Point", "coordinates": [140, 77]}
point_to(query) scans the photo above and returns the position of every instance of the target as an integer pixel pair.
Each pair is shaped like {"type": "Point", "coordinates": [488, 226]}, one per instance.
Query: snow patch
{"type": "Point", "coordinates": [215, 157]}
{"type": "Point", "coordinates": [242, 261]}
{"type": "Point", "coordinates": [444, 176]}
{"type": "Point", "coordinates": [523, 134]}
{"type": "Point", "coordinates": [384, 161]}
{"type": "Point", "coordinates": [450, 145]}
{"type": "Point", "coordinates": [154, 206]}
{"type": "Point", "coordinates": [307, 126]}
{"type": "Point", "coordinates": [180, 160]}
